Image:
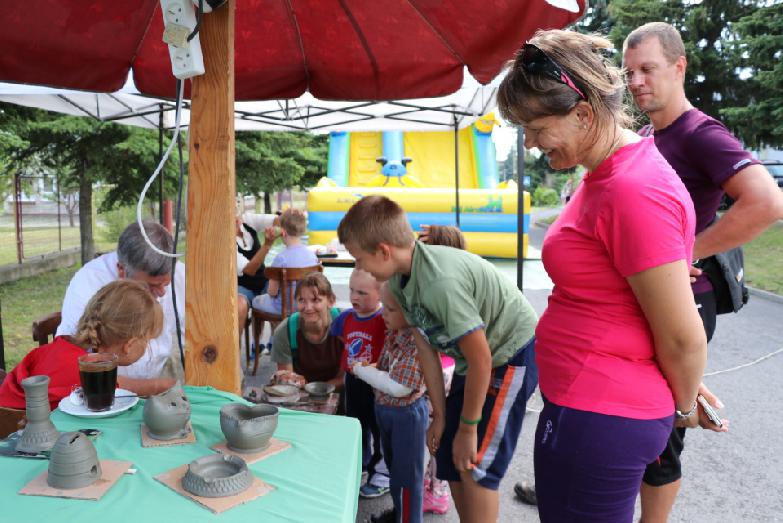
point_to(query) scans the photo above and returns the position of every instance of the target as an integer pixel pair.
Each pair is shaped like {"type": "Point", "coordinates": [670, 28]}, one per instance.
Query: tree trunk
{"type": "Point", "coordinates": [267, 203]}
{"type": "Point", "coordinates": [85, 217]}
{"type": "Point", "coordinates": [70, 208]}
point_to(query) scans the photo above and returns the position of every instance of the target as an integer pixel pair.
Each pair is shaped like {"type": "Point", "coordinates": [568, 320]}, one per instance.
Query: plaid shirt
{"type": "Point", "coordinates": [399, 360]}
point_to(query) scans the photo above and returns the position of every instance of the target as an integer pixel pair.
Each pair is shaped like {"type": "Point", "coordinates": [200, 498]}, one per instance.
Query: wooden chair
{"type": "Point", "coordinates": [10, 421]}
{"type": "Point", "coordinates": [9, 418]}
{"type": "Point", "coordinates": [287, 277]}
{"type": "Point", "coordinates": [45, 326]}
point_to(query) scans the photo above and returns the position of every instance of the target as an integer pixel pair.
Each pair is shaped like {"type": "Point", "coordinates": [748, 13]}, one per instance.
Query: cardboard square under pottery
{"type": "Point", "coordinates": [276, 446]}
{"type": "Point", "coordinates": [173, 480]}
{"type": "Point", "coordinates": [149, 441]}
{"type": "Point", "coordinates": [111, 470]}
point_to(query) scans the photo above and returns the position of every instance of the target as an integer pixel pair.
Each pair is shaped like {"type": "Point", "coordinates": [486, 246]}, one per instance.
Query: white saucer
{"type": "Point", "coordinates": [122, 402]}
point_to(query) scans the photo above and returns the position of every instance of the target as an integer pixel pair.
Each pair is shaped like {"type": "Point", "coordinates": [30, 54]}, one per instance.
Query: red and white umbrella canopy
{"type": "Point", "coordinates": [334, 49]}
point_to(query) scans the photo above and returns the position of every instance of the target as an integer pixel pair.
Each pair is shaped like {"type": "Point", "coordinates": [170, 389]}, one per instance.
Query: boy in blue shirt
{"type": "Point", "coordinates": [361, 329]}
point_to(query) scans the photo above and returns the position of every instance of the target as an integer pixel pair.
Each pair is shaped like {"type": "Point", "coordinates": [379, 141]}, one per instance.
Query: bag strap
{"type": "Point", "coordinates": [293, 326]}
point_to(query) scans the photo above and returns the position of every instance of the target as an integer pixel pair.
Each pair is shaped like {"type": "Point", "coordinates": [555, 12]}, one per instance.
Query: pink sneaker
{"type": "Point", "coordinates": [437, 504]}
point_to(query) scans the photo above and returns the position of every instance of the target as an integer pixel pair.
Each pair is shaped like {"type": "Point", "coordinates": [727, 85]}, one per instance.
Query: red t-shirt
{"type": "Point", "coordinates": [362, 337]}
{"type": "Point", "coordinates": [594, 347]}
{"type": "Point", "coordinates": [58, 360]}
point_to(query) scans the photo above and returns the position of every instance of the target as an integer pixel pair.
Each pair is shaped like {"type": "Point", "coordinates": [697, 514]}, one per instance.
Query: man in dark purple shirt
{"type": "Point", "coordinates": [710, 161]}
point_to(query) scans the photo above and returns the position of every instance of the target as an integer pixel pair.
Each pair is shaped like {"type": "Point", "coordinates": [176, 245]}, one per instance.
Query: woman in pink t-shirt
{"type": "Point", "coordinates": [620, 348]}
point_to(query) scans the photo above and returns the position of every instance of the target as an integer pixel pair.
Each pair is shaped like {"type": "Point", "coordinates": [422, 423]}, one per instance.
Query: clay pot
{"type": "Point", "coordinates": [319, 389]}
{"type": "Point", "coordinates": [166, 414]}
{"type": "Point", "coordinates": [217, 476]}
{"type": "Point", "coordinates": [40, 433]}
{"type": "Point", "coordinates": [247, 428]}
{"type": "Point", "coordinates": [73, 462]}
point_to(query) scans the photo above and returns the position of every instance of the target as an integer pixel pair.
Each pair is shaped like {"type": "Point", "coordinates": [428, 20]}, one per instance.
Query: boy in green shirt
{"type": "Point", "coordinates": [461, 306]}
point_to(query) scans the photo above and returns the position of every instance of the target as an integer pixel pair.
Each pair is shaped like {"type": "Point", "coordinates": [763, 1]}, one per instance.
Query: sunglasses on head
{"type": "Point", "coordinates": [535, 61]}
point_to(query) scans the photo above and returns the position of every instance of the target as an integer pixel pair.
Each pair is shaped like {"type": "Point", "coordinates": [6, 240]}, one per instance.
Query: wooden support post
{"type": "Point", "coordinates": [212, 343]}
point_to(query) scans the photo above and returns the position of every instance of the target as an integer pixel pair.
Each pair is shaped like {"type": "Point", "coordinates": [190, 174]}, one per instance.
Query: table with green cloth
{"type": "Point", "coordinates": [317, 479]}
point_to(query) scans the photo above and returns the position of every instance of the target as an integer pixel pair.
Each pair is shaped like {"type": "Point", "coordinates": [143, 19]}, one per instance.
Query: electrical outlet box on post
{"type": "Point", "coordinates": [179, 18]}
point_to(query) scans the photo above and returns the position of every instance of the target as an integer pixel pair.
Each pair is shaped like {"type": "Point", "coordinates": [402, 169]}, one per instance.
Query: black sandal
{"type": "Point", "coordinates": [526, 493]}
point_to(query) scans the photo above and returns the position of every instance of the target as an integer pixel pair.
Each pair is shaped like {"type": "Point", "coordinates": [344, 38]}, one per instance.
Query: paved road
{"type": "Point", "coordinates": [734, 477]}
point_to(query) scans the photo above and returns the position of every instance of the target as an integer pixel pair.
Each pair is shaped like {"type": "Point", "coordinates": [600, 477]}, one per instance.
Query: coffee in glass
{"type": "Point", "coordinates": [98, 374]}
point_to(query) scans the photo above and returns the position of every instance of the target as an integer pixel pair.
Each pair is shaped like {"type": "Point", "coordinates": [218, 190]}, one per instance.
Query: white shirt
{"type": "Point", "coordinates": [259, 222]}
{"type": "Point", "coordinates": [103, 270]}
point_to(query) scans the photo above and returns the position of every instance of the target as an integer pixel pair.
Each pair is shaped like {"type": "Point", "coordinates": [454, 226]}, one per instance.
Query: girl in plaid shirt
{"type": "Point", "coordinates": [401, 411]}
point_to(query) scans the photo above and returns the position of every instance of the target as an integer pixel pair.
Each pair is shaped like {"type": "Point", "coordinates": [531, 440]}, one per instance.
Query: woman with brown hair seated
{"type": "Point", "coordinates": [302, 346]}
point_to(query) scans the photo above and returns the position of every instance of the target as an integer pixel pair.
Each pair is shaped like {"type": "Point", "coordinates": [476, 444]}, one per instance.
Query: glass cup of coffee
{"type": "Point", "coordinates": [98, 374]}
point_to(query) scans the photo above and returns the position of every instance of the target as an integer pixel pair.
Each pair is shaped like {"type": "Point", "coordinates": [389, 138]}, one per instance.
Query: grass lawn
{"type": "Point", "coordinates": [41, 240]}
{"type": "Point", "coordinates": [26, 300]}
{"type": "Point", "coordinates": [764, 260]}
{"type": "Point", "coordinates": [37, 241]}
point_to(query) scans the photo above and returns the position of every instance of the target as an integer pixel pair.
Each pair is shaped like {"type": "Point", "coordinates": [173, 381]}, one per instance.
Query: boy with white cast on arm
{"type": "Point", "coordinates": [462, 306]}
{"type": "Point", "coordinates": [400, 410]}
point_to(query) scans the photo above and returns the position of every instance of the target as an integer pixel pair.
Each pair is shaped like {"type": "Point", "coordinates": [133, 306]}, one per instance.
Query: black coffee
{"type": "Point", "coordinates": [98, 387]}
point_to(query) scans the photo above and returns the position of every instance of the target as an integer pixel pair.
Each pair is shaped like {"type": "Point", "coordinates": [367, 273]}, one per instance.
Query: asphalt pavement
{"type": "Point", "coordinates": [732, 477]}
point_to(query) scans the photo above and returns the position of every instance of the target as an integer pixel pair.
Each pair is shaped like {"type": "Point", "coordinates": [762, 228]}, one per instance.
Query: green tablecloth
{"type": "Point", "coordinates": [316, 480]}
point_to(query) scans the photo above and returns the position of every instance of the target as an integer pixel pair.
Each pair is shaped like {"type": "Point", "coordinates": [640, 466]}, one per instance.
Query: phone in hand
{"type": "Point", "coordinates": [709, 411]}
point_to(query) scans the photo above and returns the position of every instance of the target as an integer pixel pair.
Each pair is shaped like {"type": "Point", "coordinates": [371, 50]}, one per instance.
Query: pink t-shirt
{"type": "Point", "coordinates": [594, 347]}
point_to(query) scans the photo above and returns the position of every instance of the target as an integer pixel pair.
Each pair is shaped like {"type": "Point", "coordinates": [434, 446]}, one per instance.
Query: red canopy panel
{"type": "Point", "coordinates": [336, 49]}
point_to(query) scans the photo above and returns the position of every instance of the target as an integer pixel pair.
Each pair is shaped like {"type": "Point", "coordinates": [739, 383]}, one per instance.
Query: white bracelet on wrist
{"type": "Point", "coordinates": [680, 415]}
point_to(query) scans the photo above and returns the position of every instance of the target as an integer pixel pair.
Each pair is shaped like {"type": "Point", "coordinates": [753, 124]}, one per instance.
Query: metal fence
{"type": "Point", "coordinates": [38, 219]}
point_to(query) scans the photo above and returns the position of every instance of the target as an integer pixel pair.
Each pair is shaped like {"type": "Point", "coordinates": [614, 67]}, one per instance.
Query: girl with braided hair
{"type": "Point", "coordinates": [120, 319]}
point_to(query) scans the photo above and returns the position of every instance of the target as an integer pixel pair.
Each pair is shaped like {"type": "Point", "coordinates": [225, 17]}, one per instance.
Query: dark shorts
{"type": "Point", "coordinates": [589, 466]}
{"type": "Point", "coordinates": [501, 418]}
{"type": "Point", "coordinates": [668, 467]}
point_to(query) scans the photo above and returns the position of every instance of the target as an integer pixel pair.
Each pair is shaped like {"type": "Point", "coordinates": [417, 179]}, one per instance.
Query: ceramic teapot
{"type": "Point", "coordinates": [248, 428]}
{"type": "Point", "coordinates": [73, 462]}
{"type": "Point", "coordinates": [166, 415]}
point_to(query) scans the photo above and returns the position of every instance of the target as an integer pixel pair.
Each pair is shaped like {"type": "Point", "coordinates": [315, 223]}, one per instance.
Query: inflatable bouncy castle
{"type": "Point", "coordinates": [416, 169]}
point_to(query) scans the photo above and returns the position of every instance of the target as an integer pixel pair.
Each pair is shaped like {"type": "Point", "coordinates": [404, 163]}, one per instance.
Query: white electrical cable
{"type": "Point", "coordinates": [738, 367]}
{"type": "Point", "coordinates": [140, 205]}
{"type": "Point", "coordinates": [715, 373]}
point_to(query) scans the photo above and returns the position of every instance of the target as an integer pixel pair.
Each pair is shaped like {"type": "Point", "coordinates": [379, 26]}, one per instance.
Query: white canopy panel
{"type": "Point", "coordinates": [305, 113]}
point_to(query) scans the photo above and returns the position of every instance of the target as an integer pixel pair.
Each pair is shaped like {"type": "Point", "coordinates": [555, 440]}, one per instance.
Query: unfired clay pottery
{"type": "Point", "coordinates": [217, 476]}
{"type": "Point", "coordinates": [39, 433]}
{"type": "Point", "coordinates": [319, 388]}
{"type": "Point", "coordinates": [281, 390]}
{"type": "Point", "coordinates": [73, 463]}
{"type": "Point", "coordinates": [247, 428]}
{"type": "Point", "coordinates": [166, 414]}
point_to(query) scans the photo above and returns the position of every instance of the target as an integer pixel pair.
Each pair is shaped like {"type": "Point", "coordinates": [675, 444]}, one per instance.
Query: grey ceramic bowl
{"type": "Point", "coordinates": [319, 388]}
{"type": "Point", "coordinates": [73, 462]}
{"type": "Point", "coordinates": [281, 390]}
{"type": "Point", "coordinates": [248, 428]}
{"type": "Point", "coordinates": [217, 476]}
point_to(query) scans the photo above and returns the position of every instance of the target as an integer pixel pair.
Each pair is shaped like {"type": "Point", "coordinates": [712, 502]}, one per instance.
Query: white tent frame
{"type": "Point", "coordinates": [305, 113]}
